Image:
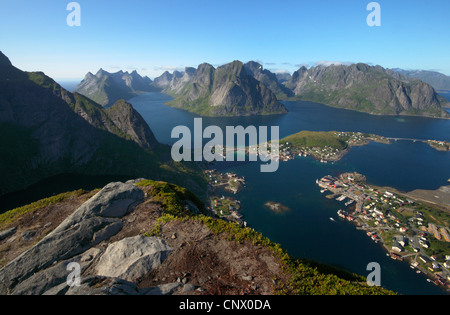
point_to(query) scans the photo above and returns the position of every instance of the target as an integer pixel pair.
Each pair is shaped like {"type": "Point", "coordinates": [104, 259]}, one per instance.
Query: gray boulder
{"type": "Point", "coordinates": [53, 280]}
{"type": "Point", "coordinates": [95, 221]}
{"type": "Point", "coordinates": [132, 257]}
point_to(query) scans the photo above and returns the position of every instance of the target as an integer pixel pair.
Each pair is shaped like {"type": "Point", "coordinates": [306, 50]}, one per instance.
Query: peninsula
{"type": "Point", "coordinates": [325, 146]}
{"type": "Point", "coordinates": [409, 228]}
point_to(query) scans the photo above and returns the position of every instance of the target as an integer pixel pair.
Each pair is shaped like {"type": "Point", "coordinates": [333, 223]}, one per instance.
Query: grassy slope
{"type": "Point", "coordinates": [316, 139]}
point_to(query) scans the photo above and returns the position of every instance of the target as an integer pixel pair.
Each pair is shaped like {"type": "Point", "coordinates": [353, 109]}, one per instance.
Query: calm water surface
{"type": "Point", "coordinates": [306, 230]}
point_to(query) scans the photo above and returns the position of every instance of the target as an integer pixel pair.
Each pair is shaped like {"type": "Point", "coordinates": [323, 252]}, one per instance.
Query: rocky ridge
{"type": "Point", "coordinates": [106, 88]}
{"type": "Point", "coordinates": [236, 89]}
{"type": "Point", "coordinates": [437, 80]}
{"type": "Point", "coordinates": [46, 130]}
{"type": "Point", "coordinates": [365, 88]}
{"type": "Point", "coordinates": [229, 90]}
{"type": "Point", "coordinates": [104, 236]}
{"type": "Point", "coordinates": [126, 240]}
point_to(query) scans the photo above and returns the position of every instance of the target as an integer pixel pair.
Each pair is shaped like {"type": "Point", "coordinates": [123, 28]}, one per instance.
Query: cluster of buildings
{"type": "Point", "coordinates": [230, 181]}
{"type": "Point", "coordinates": [324, 154]}
{"type": "Point", "coordinates": [225, 207]}
{"type": "Point", "coordinates": [328, 153]}
{"type": "Point", "coordinates": [439, 145]}
{"type": "Point", "coordinates": [397, 222]}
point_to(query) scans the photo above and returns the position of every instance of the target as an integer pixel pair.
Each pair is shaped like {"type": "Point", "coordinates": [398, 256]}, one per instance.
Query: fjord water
{"type": "Point", "coordinates": [306, 229]}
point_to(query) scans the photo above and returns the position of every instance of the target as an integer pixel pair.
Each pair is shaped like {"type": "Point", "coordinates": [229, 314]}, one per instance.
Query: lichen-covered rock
{"type": "Point", "coordinates": [132, 257]}
{"type": "Point", "coordinates": [96, 220]}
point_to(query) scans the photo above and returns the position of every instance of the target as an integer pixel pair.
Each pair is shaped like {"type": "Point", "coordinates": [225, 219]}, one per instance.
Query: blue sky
{"type": "Point", "coordinates": [154, 36]}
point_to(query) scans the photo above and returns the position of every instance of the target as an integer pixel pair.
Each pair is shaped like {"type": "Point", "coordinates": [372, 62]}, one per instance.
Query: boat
{"type": "Point", "coordinates": [341, 214]}
{"type": "Point", "coordinates": [349, 202]}
{"type": "Point", "coordinates": [341, 198]}
{"type": "Point", "coordinates": [322, 191]}
{"type": "Point", "coordinates": [332, 219]}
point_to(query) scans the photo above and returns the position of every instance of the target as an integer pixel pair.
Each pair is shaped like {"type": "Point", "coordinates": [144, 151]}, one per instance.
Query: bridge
{"type": "Point", "coordinates": [405, 139]}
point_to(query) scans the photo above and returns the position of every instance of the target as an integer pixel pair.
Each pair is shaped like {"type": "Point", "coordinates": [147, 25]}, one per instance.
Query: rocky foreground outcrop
{"type": "Point", "coordinates": [35, 271]}
{"type": "Point", "coordinates": [104, 238]}
{"type": "Point", "coordinates": [146, 237]}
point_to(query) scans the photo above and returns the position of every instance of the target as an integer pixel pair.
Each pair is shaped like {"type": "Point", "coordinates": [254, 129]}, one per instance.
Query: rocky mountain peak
{"type": "Point", "coordinates": [129, 121]}
{"type": "Point", "coordinates": [227, 90]}
{"type": "Point", "coordinates": [4, 61]}
{"type": "Point", "coordinates": [106, 88]}
{"type": "Point", "coordinates": [366, 88]}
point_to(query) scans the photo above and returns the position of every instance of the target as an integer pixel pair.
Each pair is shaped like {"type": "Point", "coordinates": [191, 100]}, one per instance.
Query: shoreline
{"type": "Point", "coordinates": [295, 99]}
{"type": "Point", "coordinates": [394, 223]}
{"type": "Point", "coordinates": [328, 153]}
{"type": "Point", "coordinates": [364, 139]}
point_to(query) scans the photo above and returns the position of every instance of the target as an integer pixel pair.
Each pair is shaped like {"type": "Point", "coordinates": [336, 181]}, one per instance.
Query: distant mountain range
{"type": "Point", "coordinates": [46, 130]}
{"type": "Point", "coordinates": [437, 80]}
{"type": "Point", "coordinates": [371, 89]}
{"type": "Point", "coordinates": [236, 89]}
{"type": "Point", "coordinates": [106, 88]}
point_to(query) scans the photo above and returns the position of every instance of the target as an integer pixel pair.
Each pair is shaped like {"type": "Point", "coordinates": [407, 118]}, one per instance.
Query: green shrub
{"type": "Point", "coordinates": [12, 215]}
{"type": "Point", "coordinates": [172, 197]}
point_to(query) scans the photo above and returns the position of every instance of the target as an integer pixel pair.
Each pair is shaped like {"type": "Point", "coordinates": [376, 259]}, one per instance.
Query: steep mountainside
{"type": "Point", "coordinates": [46, 130]}
{"type": "Point", "coordinates": [269, 79]}
{"type": "Point", "coordinates": [228, 90]}
{"type": "Point", "coordinates": [437, 80]}
{"type": "Point", "coordinates": [131, 123]}
{"type": "Point", "coordinates": [283, 77]}
{"type": "Point", "coordinates": [106, 88]}
{"type": "Point", "coordinates": [365, 88]}
{"type": "Point", "coordinates": [164, 80]}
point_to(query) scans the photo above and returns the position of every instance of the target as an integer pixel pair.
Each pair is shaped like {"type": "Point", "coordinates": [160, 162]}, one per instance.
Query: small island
{"type": "Point", "coordinates": [325, 146]}
{"type": "Point", "coordinates": [439, 145]}
{"type": "Point", "coordinates": [276, 207]}
{"type": "Point", "coordinates": [225, 207]}
{"type": "Point", "coordinates": [228, 181]}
